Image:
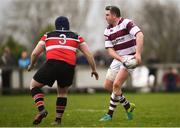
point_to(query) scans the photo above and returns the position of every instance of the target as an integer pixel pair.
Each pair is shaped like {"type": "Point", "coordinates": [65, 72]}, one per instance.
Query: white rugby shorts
{"type": "Point", "coordinates": [114, 68]}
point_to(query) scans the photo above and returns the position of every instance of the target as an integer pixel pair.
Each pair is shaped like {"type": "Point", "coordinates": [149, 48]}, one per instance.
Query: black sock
{"type": "Point", "coordinates": [38, 97]}
{"type": "Point", "coordinates": [124, 102]}
{"type": "Point", "coordinates": [61, 103]}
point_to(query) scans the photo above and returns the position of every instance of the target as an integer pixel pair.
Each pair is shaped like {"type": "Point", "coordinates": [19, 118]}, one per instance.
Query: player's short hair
{"type": "Point", "coordinates": [114, 10]}
{"type": "Point", "coordinates": [62, 23]}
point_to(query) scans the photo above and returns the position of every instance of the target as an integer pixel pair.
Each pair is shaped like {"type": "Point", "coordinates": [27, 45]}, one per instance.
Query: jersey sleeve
{"type": "Point", "coordinates": [40, 47]}
{"type": "Point", "coordinates": [81, 40]}
{"type": "Point", "coordinates": [42, 41]}
{"type": "Point", "coordinates": [108, 43]}
{"type": "Point", "coordinates": [43, 38]}
{"type": "Point", "coordinates": [132, 28]}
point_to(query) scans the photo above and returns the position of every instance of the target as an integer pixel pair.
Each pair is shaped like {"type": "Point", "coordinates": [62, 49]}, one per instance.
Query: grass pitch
{"type": "Point", "coordinates": [84, 110]}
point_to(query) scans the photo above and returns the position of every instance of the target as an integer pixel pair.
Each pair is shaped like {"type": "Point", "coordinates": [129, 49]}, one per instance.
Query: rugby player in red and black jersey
{"type": "Point", "coordinates": [60, 46]}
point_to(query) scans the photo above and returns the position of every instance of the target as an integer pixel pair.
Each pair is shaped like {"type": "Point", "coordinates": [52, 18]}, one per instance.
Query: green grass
{"type": "Point", "coordinates": [84, 110]}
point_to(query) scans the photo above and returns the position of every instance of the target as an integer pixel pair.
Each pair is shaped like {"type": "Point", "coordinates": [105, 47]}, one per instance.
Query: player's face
{"type": "Point", "coordinates": [109, 17]}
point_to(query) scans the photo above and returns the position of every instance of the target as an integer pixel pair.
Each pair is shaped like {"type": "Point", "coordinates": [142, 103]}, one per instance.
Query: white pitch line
{"type": "Point", "coordinates": [88, 110]}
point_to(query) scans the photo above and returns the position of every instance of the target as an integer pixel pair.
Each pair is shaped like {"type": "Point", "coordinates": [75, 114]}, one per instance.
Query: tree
{"type": "Point", "coordinates": [15, 47]}
{"type": "Point", "coordinates": [26, 19]}
{"type": "Point", "coordinates": [160, 25]}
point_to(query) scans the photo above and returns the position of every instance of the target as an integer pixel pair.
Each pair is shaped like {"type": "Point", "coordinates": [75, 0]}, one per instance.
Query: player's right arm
{"type": "Point", "coordinates": [109, 47]}
{"type": "Point", "coordinates": [113, 54]}
{"type": "Point", "coordinates": [36, 52]}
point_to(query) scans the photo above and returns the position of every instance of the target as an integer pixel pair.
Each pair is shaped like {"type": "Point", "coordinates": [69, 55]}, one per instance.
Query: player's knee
{"type": "Point", "coordinates": [62, 92]}
{"type": "Point", "coordinates": [32, 86]}
{"type": "Point", "coordinates": [116, 85]}
{"type": "Point", "coordinates": [62, 95]}
{"type": "Point", "coordinates": [108, 87]}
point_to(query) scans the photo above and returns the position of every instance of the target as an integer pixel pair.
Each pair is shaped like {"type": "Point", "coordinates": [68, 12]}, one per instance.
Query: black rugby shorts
{"type": "Point", "coordinates": [55, 70]}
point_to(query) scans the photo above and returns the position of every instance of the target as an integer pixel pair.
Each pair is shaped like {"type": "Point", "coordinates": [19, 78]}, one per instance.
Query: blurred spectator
{"type": "Point", "coordinates": [153, 70]}
{"type": "Point", "coordinates": [102, 59]}
{"type": "Point", "coordinates": [81, 60]}
{"type": "Point", "coordinates": [170, 80]}
{"type": "Point", "coordinates": [23, 63]}
{"type": "Point", "coordinates": [99, 58]}
{"type": "Point", "coordinates": [7, 61]}
{"type": "Point", "coordinates": [24, 60]}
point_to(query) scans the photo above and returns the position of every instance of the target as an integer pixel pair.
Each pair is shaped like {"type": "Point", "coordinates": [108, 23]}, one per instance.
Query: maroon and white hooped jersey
{"type": "Point", "coordinates": [122, 37]}
{"type": "Point", "coordinates": [62, 45]}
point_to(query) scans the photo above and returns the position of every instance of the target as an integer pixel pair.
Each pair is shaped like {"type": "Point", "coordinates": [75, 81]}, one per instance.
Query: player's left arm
{"type": "Point", "coordinates": [36, 52]}
{"type": "Point", "coordinates": [134, 30]}
{"type": "Point", "coordinates": [85, 50]}
{"type": "Point", "coordinates": [139, 46]}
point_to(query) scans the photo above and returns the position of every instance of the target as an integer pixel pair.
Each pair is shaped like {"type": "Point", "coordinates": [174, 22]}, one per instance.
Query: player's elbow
{"type": "Point", "coordinates": [88, 55]}
{"type": "Point", "coordinates": [108, 88]}
{"type": "Point", "coordinates": [140, 35]}
{"type": "Point", "coordinates": [34, 54]}
{"type": "Point", "coordinates": [110, 51]}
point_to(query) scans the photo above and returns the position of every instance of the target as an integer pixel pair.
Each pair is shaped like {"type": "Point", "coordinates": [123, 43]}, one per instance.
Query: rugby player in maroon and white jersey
{"type": "Point", "coordinates": [122, 37]}
{"type": "Point", "coordinates": [60, 46]}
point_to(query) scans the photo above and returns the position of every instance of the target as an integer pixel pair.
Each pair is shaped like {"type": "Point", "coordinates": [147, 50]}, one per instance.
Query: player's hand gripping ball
{"type": "Point", "coordinates": [129, 61]}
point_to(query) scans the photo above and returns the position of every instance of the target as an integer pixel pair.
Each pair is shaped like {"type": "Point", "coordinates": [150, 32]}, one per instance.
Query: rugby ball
{"type": "Point", "coordinates": [129, 61]}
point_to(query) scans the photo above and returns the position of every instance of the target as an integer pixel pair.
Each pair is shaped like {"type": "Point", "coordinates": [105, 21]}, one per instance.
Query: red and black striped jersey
{"type": "Point", "coordinates": [62, 45]}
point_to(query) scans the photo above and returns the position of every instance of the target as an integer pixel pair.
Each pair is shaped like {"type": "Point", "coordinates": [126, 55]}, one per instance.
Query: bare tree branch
{"type": "Point", "coordinates": [160, 25]}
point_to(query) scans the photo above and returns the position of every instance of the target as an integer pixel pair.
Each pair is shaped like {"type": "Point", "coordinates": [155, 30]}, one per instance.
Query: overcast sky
{"type": "Point", "coordinates": [136, 3]}
{"type": "Point", "coordinates": [126, 5]}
